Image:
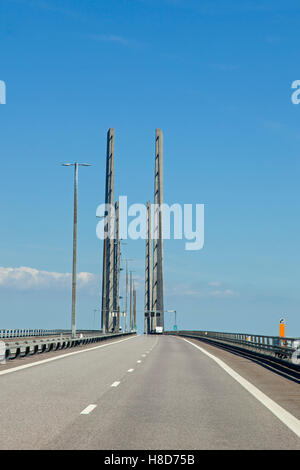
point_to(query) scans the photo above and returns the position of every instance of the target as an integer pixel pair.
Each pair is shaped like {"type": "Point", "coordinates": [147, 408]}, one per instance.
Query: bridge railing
{"type": "Point", "coordinates": [283, 348]}
{"type": "Point", "coordinates": [27, 333]}
{"type": "Point", "coordinates": [29, 347]}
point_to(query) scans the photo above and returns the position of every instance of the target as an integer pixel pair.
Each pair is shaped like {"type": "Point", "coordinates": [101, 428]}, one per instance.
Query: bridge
{"type": "Point", "coordinates": [111, 388]}
{"type": "Point", "coordinates": [188, 390]}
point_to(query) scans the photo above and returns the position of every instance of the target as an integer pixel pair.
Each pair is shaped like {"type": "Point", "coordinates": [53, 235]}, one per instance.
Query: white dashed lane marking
{"type": "Point", "coordinates": [115, 384]}
{"type": "Point", "coordinates": [88, 409]}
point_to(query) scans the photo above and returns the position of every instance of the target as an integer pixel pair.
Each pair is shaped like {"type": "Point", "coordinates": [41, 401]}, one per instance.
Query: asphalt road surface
{"type": "Point", "coordinates": [144, 392]}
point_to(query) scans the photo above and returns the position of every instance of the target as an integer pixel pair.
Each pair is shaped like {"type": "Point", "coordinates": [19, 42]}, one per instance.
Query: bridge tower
{"type": "Point", "coordinates": [148, 273]}
{"type": "Point", "coordinates": [158, 288]}
{"type": "Point", "coordinates": [108, 245]}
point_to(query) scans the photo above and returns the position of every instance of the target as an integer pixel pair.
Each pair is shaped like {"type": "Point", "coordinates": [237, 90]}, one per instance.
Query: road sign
{"type": "Point", "coordinates": [175, 327]}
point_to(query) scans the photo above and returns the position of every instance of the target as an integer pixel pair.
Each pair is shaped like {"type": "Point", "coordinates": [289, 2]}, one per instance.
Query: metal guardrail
{"type": "Point", "coordinates": [27, 333]}
{"type": "Point", "coordinates": [282, 348]}
{"type": "Point", "coordinates": [18, 349]}
{"type": "Point", "coordinates": [21, 333]}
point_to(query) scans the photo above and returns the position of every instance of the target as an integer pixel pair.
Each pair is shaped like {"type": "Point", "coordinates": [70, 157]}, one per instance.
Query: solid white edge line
{"type": "Point", "coordinates": [88, 409]}
{"type": "Point", "coordinates": [27, 366]}
{"type": "Point", "coordinates": [115, 384]}
{"type": "Point", "coordinates": [284, 416]}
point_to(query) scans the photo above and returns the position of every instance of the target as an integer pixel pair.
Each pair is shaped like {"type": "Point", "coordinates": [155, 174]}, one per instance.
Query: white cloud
{"type": "Point", "coordinates": [26, 278]}
{"type": "Point", "coordinates": [203, 290]}
{"type": "Point", "coordinates": [223, 293]}
{"type": "Point", "coordinates": [183, 289]}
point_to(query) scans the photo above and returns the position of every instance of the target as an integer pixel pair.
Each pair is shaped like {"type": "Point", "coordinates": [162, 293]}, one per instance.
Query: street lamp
{"type": "Point", "coordinates": [131, 302]}
{"type": "Point", "coordinates": [126, 294]}
{"type": "Point", "coordinates": [94, 322]}
{"type": "Point", "coordinates": [76, 165]}
{"type": "Point", "coordinates": [174, 311]}
{"type": "Point", "coordinates": [124, 322]}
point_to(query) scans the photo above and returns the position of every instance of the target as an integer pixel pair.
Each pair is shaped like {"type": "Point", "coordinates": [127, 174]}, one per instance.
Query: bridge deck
{"type": "Point", "coordinates": [175, 398]}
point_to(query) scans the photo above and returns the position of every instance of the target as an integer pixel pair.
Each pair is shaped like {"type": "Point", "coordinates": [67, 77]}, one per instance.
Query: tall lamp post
{"type": "Point", "coordinates": [175, 324]}
{"type": "Point", "coordinates": [131, 301]}
{"type": "Point", "coordinates": [76, 165]}
{"type": "Point", "coordinates": [94, 320]}
{"type": "Point", "coordinates": [126, 295]}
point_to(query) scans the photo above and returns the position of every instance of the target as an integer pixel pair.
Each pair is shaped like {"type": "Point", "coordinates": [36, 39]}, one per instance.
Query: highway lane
{"type": "Point", "coordinates": [142, 393]}
{"type": "Point", "coordinates": [37, 403]}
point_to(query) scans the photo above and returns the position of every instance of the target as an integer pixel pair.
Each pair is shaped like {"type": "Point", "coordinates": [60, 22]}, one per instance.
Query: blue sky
{"type": "Point", "coordinates": [216, 77]}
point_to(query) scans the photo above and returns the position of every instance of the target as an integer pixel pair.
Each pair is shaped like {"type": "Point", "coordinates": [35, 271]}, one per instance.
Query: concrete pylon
{"type": "Point", "coordinates": [158, 282]}
{"type": "Point", "coordinates": [116, 289]}
{"type": "Point", "coordinates": [108, 245]}
{"type": "Point", "coordinates": [148, 273]}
